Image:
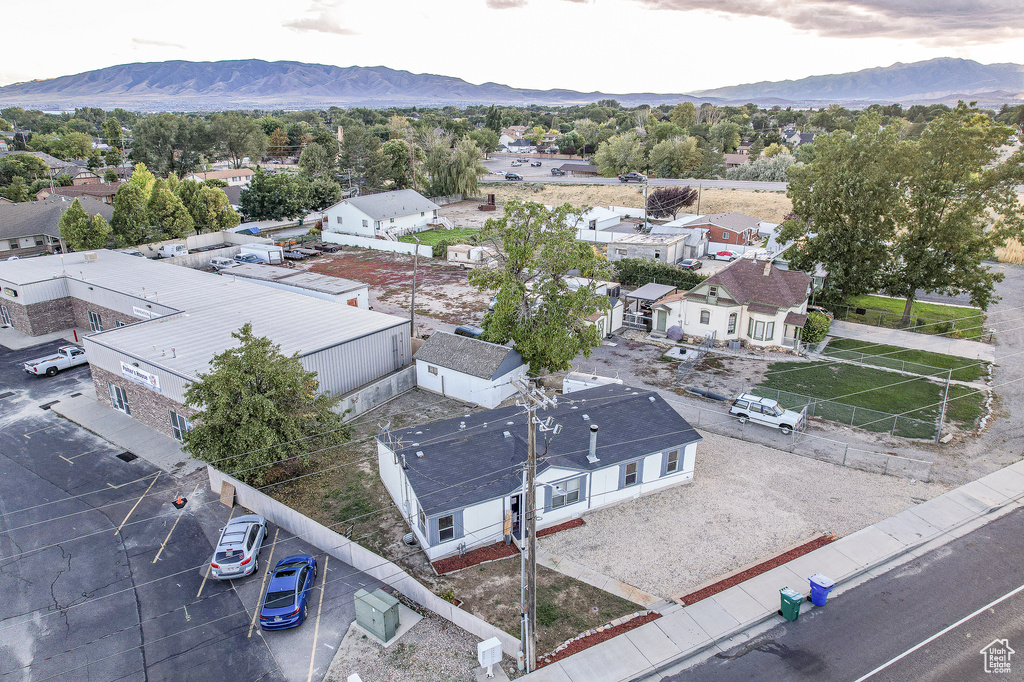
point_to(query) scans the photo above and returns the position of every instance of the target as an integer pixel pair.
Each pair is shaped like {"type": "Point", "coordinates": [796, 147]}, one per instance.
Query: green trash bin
{"type": "Point", "coordinates": [791, 601]}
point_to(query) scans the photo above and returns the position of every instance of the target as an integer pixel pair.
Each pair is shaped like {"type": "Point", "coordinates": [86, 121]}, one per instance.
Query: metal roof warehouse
{"type": "Point", "coordinates": [156, 326]}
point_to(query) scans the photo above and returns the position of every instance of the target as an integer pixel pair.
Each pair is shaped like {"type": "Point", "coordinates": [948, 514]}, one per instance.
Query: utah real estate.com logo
{"type": "Point", "coordinates": [997, 656]}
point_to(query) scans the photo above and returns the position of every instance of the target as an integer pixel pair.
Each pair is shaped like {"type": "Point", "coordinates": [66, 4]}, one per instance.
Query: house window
{"type": "Point", "coordinates": [366, 223]}
{"type": "Point", "coordinates": [769, 331]}
{"type": "Point", "coordinates": [725, 235]}
{"type": "Point", "coordinates": [593, 225]}
{"type": "Point", "coordinates": [392, 221]}
{"type": "Point", "coordinates": [712, 292]}
{"type": "Point", "coordinates": [630, 474]}
{"type": "Point", "coordinates": [446, 528]}
{"type": "Point", "coordinates": [732, 324]}
{"type": "Point", "coordinates": [95, 323]}
{"type": "Point", "coordinates": [119, 323]}
{"type": "Point", "coordinates": [620, 252]}
{"type": "Point", "coordinates": [338, 219]}
{"type": "Point", "coordinates": [432, 370]}
{"type": "Point", "coordinates": [657, 254]}
{"type": "Point", "coordinates": [761, 331]}
{"type": "Point", "coordinates": [423, 522]}
{"type": "Point", "coordinates": [39, 242]}
{"type": "Point", "coordinates": [118, 399]}
{"type": "Point", "coordinates": [672, 462]}
{"type": "Point", "coordinates": [566, 493]}
{"type": "Point", "coordinates": [5, 316]}
{"type": "Point", "coordinates": [422, 213]}
{"type": "Point", "coordinates": [179, 426]}
{"type": "Point", "coordinates": [705, 316]}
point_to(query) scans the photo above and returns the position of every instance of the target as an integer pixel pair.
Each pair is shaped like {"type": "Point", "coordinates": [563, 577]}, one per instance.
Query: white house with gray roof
{"type": "Point", "coordinates": [458, 482]}
{"type": "Point", "coordinates": [388, 215]}
{"type": "Point", "coordinates": [469, 370]}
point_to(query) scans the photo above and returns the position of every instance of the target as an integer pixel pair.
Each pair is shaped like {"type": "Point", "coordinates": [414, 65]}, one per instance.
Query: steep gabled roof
{"type": "Point", "coordinates": [759, 282]}
{"type": "Point", "coordinates": [469, 356]}
{"type": "Point", "coordinates": [737, 222]}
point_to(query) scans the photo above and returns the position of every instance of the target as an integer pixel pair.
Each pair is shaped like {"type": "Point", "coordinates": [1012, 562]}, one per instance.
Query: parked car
{"type": "Point", "coordinates": [470, 330]}
{"type": "Point", "coordinates": [557, 171]}
{"type": "Point", "coordinates": [172, 250]}
{"type": "Point", "coordinates": [726, 255]}
{"type": "Point", "coordinates": [690, 264]}
{"type": "Point", "coordinates": [284, 604]}
{"type": "Point", "coordinates": [65, 357]}
{"type": "Point", "coordinates": [765, 411]}
{"type": "Point", "coordinates": [632, 177]}
{"type": "Point", "coordinates": [536, 164]}
{"type": "Point", "coordinates": [327, 248]}
{"type": "Point", "coordinates": [497, 171]}
{"type": "Point", "coordinates": [516, 164]}
{"type": "Point", "coordinates": [247, 258]}
{"type": "Point", "coordinates": [219, 264]}
{"type": "Point", "coordinates": [238, 549]}
{"type": "Point", "coordinates": [513, 176]}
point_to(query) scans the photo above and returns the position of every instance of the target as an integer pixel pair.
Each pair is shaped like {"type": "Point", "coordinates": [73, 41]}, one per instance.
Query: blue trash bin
{"type": "Point", "coordinates": [820, 588]}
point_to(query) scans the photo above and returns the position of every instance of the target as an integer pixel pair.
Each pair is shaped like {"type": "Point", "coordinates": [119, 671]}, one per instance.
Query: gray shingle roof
{"type": "Point", "coordinates": [461, 467]}
{"type": "Point", "coordinates": [469, 356]}
{"type": "Point", "coordinates": [50, 161]}
{"type": "Point", "coordinates": [747, 283]}
{"type": "Point", "coordinates": [401, 202]}
{"type": "Point", "coordinates": [27, 218]}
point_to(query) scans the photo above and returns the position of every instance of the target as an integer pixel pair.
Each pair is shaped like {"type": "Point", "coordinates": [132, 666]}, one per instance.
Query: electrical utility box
{"type": "Point", "coordinates": [377, 613]}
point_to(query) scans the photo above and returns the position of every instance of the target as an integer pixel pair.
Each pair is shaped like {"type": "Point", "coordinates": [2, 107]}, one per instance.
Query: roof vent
{"type": "Point", "coordinates": [767, 268]}
{"type": "Point", "coordinates": [586, 417]}
{"type": "Point", "coordinates": [507, 434]}
{"type": "Point", "coordinates": [509, 423]}
{"type": "Point", "coordinates": [90, 257]}
{"type": "Point", "coordinates": [419, 453]}
{"type": "Point", "coordinates": [592, 457]}
{"type": "Point", "coordinates": [575, 407]}
{"type": "Point", "coordinates": [462, 426]}
{"type": "Point", "coordinates": [651, 398]}
{"type": "Point", "coordinates": [419, 433]}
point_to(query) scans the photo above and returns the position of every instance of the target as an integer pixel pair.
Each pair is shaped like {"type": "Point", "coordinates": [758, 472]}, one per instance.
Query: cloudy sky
{"type": "Point", "coordinates": [607, 45]}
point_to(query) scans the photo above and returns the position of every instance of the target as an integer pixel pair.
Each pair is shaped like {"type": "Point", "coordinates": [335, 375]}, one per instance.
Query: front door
{"type": "Point", "coordinates": [662, 319]}
{"type": "Point", "coordinates": [514, 506]}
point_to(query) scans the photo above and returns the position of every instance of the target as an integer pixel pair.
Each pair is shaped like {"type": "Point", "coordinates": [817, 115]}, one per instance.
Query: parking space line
{"type": "Point", "coordinates": [130, 512]}
{"type": "Point", "coordinates": [270, 562]}
{"type": "Point", "coordinates": [28, 434]}
{"type": "Point", "coordinates": [208, 567]}
{"type": "Point", "coordinates": [175, 525]}
{"type": "Point", "coordinates": [319, 608]}
{"type": "Point", "coordinates": [87, 452]}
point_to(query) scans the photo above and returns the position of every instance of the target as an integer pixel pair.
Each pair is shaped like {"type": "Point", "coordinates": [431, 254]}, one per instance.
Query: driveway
{"type": "Point", "coordinates": [105, 579]}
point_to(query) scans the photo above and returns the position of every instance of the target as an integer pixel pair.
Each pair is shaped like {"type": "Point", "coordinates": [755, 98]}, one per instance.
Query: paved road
{"type": "Point", "coordinates": [86, 601]}
{"type": "Point", "coordinates": [865, 628]}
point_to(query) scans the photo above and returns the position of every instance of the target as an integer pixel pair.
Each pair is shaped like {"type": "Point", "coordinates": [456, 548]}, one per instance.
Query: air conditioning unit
{"type": "Point", "coordinates": [90, 257]}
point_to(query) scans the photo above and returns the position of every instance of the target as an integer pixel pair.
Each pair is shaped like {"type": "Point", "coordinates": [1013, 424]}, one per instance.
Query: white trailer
{"type": "Point", "coordinates": [270, 254]}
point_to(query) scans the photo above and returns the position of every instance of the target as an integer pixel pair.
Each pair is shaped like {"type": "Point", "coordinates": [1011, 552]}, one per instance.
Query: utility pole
{"type": "Point", "coordinates": [532, 399]}
{"type": "Point", "coordinates": [415, 267]}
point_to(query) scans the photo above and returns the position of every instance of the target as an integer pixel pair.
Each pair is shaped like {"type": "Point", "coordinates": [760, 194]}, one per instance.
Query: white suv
{"type": "Point", "coordinates": [237, 553]}
{"type": "Point", "coordinates": [765, 411]}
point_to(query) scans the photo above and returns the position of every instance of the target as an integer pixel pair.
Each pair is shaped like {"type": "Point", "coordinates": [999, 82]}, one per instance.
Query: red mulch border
{"type": "Point", "coordinates": [499, 550]}
{"type": "Point", "coordinates": [757, 570]}
{"type": "Point", "coordinates": [579, 645]}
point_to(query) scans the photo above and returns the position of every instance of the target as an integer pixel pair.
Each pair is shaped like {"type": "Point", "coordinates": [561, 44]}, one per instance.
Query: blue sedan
{"type": "Point", "coordinates": [284, 605]}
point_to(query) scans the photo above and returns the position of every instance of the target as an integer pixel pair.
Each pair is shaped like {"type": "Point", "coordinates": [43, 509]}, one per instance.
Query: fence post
{"type": "Point", "coordinates": [886, 471]}
{"type": "Point", "coordinates": [853, 415]}
{"type": "Point", "coordinates": [846, 454]}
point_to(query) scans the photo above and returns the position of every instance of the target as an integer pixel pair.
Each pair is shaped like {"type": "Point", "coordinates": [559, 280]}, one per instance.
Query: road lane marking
{"type": "Point", "coordinates": [175, 525]}
{"type": "Point", "coordinates": [137, 503]}
{"type": "Point", "coordinates": [319, 608]}
{"type": "Point", "coordinates": [938, 634]}
{"type": "Point", "coordinates": [270, 562]}
{"type": "Point", "coordinates": [208, 566]}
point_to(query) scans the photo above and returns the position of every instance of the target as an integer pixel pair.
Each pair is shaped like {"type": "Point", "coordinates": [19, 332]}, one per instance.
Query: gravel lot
{"type": "Point", "coordinates": [746, 503]}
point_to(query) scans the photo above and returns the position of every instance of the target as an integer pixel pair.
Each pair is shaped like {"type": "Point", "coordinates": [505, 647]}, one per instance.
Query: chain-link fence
{"type": "Point", "coordinates": [971, 327]}
{"type": "Point", "coordinates": [886, 361]}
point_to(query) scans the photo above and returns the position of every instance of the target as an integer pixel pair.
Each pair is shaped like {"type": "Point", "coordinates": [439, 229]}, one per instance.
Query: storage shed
{"type": "Point", "coordinates": [466, 369]}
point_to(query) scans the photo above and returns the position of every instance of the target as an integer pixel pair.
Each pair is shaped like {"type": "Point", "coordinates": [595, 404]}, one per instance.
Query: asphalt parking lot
{"type": "Point", "coordinates": [104, 579]}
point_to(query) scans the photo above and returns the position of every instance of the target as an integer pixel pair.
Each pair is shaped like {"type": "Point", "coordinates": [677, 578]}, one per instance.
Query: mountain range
{"type": "Point", "coordinates": [254, 83]}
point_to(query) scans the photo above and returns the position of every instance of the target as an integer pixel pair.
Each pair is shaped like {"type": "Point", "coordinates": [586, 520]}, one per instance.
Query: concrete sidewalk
{"type": "Point", "coordinates": [973, 350]}
{"type": "Point", "coordinates": [685, 636]}
{"type": "Point", "coordinates": [13, 339]}
{"type": "Point", "coordinates": [127, 433]}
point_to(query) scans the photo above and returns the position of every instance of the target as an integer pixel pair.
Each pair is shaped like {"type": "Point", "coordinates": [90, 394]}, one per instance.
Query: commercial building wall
{"type": "Point", "coordinates": [40, 318]}
{"type": "Point", "coordinates": [151, 408]}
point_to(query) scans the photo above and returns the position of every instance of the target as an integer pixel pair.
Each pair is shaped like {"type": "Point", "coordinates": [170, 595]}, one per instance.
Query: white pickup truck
{"type": "Point", "coordinates": [64, 358]}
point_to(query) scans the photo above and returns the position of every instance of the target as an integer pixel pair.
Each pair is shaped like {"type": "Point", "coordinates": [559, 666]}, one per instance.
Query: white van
{"type": "Point", "coordinates": [172, 250]}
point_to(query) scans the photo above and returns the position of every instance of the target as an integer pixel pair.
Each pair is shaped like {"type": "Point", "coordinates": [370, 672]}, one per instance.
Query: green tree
{"type": "Point", "coordinates": [493, 120]}
{"type": "Point", "coordinates": [278, 144]}
{"type": "Point", "coordinates": [238, 137]}
{"type": "Point", "coordinates": [848, 203]}
{"type": "Point", "coordinates": [257, 407]}
{"type": "Point", "coordinates": [725, 136]}
{"type": "Point", "coordinates": [816, 327]}
{"type": "Point", "coordinates": [167, 214]}
{"type": "Point", "coordinates": [130, 222]}
{"type": "Point", "coordinates": [171, 144]}
{"type": "Point", "coordinates": [112, 133]}
{"type": "Point", "coordinates": [110, 175]}
{"type": "Point", "coordinates": [394, 166]}
{"type": "Point", "coordinates": [452, 170]}
{"type": "Point", "coordinates": [763, 169]}
{"type": "Point", "coordinates": [961, 204]}
{"type": "Point", "coordinates": [321, 193]}
{"type": "Point", "coordinates": [74, 225]}
{"type": "Point", "coordinates": [536, 308]}
{"type": "Point", "coordinates": [676, 158]}
{"type": "Point", "coordinates": [622, 153]}
{"type": "Point", "coordinates": [316, 161]}
{"type": "Point", "coordinates": [17, 191]}
{"type": "Point", "coordinates": [486, 139]}
{"type": "Point", "coordinates": [274, 197]}
{"type": "Point", "coordinates": [587, 130]}
{"type": "Point", "coordinates": [684, 115]}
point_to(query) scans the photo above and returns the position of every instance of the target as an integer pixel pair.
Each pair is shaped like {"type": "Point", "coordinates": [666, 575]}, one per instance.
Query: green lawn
{"type": "Point", "coordinates": [928, 318]}
{"type": "Point", "coordinates": [905, 359]}
{"type": "Point", "coordinates": [431, 237]}
{"type": "Point", "coordinates": [868, 398]}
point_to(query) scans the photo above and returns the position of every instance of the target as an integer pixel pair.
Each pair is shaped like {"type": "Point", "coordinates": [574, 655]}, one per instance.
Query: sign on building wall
{"type": "Point", "coordinates": [150, 381]}
{"type": "Point", "coordinates": [141, 312]}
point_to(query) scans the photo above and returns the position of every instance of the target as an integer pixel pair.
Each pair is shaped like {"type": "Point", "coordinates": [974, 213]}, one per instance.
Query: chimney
{"type": "Point", "coordinates": [592, 457]}
{"type": "Point", "coordinates": [767, 268]}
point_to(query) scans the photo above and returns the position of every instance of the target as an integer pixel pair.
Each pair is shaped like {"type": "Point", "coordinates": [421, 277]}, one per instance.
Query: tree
{"type": "Point", "coordinates": [725, 136]}
{"type": "Point", "coordinates": [171, 144]}
{"type": "Point", "coordinates": [587, 130]}
{"type": "Point", "coordinates": [961, 203]}
{"type": "Point", "coordinates": [622, 153]}
{"type": "Point", "coordinates": [394, 163]}
{"type": "Point", "coordinates": [167, 213]}
{"type": "Point", "coordinates": [112, 133]}
{"type": "Point", "coordinates": [110, 175]}
{"type": "Point", "coordinates": [17, 191]}
{"type": "Point", "coordinates": [536, 308]}
{"type": "Point", "coordinates": [130, 222]}
{"type": "Point", "coordinates": [273, 197]}
{"type": "Point", "coordinates": [79, 232]}
{"type": "Point", "coordinates": [764, 169]}
{"type": "Point", "coordinates": [774, 149]}
{"type": "Point", "coordinates": [493, 120]}
{"type": "Point", "coordinates": [452, 170]}
{"type": "Point", "coordinates": [321, 193]}
{"type": "Point", "coordinates": [486, 139]}
{"type": "Point", "coordinates": [257, 407]}
{"type": "Point", "coordinates": [667, 201]}
{"type": "Point", "coordinates": [684, 115]}
{"type": "Point", "coordinates": [847, 203]}
{"type": "Point", "coordinates": [676, 158]}
{"type": "Point", "coordinates": [316, 161]}
{"type": "Point", "coordinates": [816, 327]}
{"type": "Point", "coordinates": [239, 137]}
{"type": "Point", "coordinates": [278, 144]}
{"type": "Point", "coordinates": [207, 205]}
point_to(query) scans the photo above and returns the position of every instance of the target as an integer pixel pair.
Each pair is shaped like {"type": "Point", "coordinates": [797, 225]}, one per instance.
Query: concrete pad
{"type": "Point", "coordinates": [868, 545]}
{"type": "Point", "coordinates": [983, 494]}
{"type": "Point", "coordinates": [598, 580]}
{"type": "Point", "coordinates": [826, 560]}
{"type": "Point", "coordinates": [610, 661]}
{"type": "Point", "coordinates": [406, 619]}
{"type": "Point", "coordinates": [549, 673]}
{"type": "Point", "coordinates": [943, 512]}
{"type": "Point", "coordinates": [972, 502]}
{"type": "Point", "coordinates": [683, 630]}
{"type": "Point", "coordinates": [498, 674]}
{"type": "Point", "coordinates": [908, 528]}
{"type": "Point", "coordinates": [740, 605]}
{"type": "Point", "coordinates": [712, 617]}
{"type": "Point", "coordinates": [653, 643]}
{"type": "Point", "coordinates": [1005, 481]}
{"type": "Point", "coordinates": [765, 587]}
{"type": "Point", "coordinates": [563, 566]}
{"type": "Point", "coordinates": [1017, 467]}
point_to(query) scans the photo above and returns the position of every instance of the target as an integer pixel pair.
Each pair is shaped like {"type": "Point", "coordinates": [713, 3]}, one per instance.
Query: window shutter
{"type": "Point", "coordinates": [622, 476]}
{"type": "Point", "coordinates": [640, 471]}
{"type": "Point", "coordinates": [547, 498]}
{"type": "Point", "coordinates": [664, 462]}
{"type": "Point", "coordinates": [583, 487]}
{"type": "Point", "coordinates": [459, 531]}
{"type": "Point", "coordinates": [433, 530]}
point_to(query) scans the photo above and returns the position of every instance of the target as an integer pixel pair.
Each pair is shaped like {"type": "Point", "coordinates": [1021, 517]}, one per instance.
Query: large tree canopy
{"type": "Point", "coordinates": [536, 308]}
{"type": "Point", "coordinates": [257, 407]}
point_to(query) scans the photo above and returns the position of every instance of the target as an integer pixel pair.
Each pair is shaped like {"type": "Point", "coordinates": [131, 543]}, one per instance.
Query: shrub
{"type": "Point", "coordinates": [816, 327]}
{"type": "Point", "coordinates": [636, 272]}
